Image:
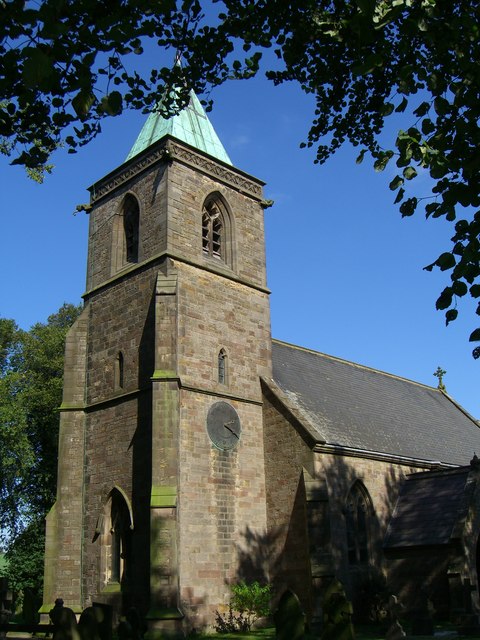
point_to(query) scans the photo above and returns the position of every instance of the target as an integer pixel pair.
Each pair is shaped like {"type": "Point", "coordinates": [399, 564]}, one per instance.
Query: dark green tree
{"type": "Point", "coordinates": [31, 380]}
{"type": "Point", "coordinates": [67, 65]}
{"type": "Point", "coordinates": [24, 562]}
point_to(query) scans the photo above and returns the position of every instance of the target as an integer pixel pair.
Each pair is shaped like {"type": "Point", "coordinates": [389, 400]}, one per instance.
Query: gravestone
{"type": "Point", "coordinates": [289, 618]}
{"type": "Point", "coordinates": [30, 606]}
{"type": "Point", "coordinates": [395, 609]}
{"type": "Point", "coordinates": [89, 623]}
{"type": "Point", "coordinates": [337, 614]}
{"type": "Point", "coordinates": [130, 627]}
{"type": "Point", "coordinates": [105, 623]}
{"type": "Point", "coordinates": [64, 622]}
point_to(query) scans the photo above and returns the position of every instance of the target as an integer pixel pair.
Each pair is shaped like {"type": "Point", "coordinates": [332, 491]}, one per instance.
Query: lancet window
{"type": "Point", "coordinates": [213, 231]}
{"type": "Point", "coordinates": [222, 366]}
{"type": "Point", "coordinates": [358, 514]}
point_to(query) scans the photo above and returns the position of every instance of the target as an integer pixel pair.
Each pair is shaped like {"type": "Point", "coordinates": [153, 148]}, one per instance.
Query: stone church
{"type": "Point", "coordinates": [196, 451]}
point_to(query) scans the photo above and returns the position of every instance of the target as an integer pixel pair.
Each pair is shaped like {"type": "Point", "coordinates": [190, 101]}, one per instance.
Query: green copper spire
{"type": "Point", "coordinates": [191, 125]}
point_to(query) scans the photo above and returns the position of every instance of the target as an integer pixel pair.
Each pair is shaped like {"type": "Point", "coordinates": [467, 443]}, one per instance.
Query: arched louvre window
{"type": "Point", "coordinates": [358, 513]}
{"type": "Point", "coordinates": [131, 215]}
{"type": "Point", "coordinates": [213, 231]}
{"type": "Point", "coordinates": [222, 366]}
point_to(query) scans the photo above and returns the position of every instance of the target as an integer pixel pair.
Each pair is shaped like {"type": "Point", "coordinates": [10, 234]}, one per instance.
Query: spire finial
{"type": "Point", "coordinates": [439, 373]}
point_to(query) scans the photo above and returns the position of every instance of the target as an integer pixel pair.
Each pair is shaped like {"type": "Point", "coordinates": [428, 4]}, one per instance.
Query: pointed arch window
{"type": "Point", "coordinates": [213, 236]}
{"type": "Point", "coordinates": [217, 230]}
{"type": "Point", "coordinates": [125, 234]}
{"type": "Point", "coordinates": [358, 516]}
{"type": "Point", "coordinates": [222, 366]}
{"type": "Point", "coordinates": [117, 525]}
{"type": "Point", "coordinates": [131, 215]}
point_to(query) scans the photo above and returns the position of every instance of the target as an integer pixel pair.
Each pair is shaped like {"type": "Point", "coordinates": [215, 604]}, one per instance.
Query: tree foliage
{"type": "Point", "coordinates": [31, 379]}
{"type": "Point", "coordinates": [69, 64]}
{"type": "Point", "coordinates": [25, 559]}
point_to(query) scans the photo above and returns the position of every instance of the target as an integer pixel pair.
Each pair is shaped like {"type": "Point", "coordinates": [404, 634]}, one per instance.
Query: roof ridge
{"type": "Point", "coordinates": [361, 366]}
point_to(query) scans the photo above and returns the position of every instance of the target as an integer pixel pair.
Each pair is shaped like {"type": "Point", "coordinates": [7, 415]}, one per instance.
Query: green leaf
{"type": "Point", "coordinates": [82, 103]}
{"type": "Point", "coordinates": [451, 315]}
{"type": "Point", "coordinates": [442, 106]}
{"type": "Point", "coordinates": [360, 156]}
{"type": "Point", "coordinates": [408, 207]}
{"type": "Point", "coordinates": [445, 299]}
{"type": "Point", "coordinates": [475, 335]}
{"type": "Point", "coordinates": [382, 160]}
{"type": "Point", "coordinates": [430, 208]}
{"type": "Point", "coordinates": [446, 261]}
{"type": "Point", "coordinates": [402, 106]}
{"type": "Point", "coordinates": [427, 127]}
{"type": "Point", "coordinates": [459, 288]}
{"type": "Point", "coordinates": [396, 183]}
{"type": "Point", "coordinates": [387, 108]}
{"type": "Point", "coordinates": [422, 24]}
{"type": "Point", "coordinates": [399, 197]}
{"type": "Point", "coordinates": [422, 109]}
{"type": "Point", "coordinates": [475, 290]}
{"type": "Point", "coordinates": [112, 104]}
{"type": "Point", "coordinates": [409, 173]}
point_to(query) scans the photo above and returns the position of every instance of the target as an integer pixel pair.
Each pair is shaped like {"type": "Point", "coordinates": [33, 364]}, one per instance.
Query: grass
{"type": "Point", "coordinates": [361, 633]}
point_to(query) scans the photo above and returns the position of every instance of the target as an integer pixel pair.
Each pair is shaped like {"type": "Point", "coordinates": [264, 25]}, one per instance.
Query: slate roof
{"type": "Point", "coordinates": [350, 405]}
{"type": "Point", "coordinates": [429, 509]}
{"type": "Point", "coordinates": [191, 125]}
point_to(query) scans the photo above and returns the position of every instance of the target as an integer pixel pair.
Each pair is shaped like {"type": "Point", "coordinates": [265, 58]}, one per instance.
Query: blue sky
{"type": "Point", "coordinates": [346, 272]}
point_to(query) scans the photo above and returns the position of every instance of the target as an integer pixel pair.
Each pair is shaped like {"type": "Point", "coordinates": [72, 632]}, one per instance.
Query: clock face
{"type": "Point", "coordinates": [223, 426]}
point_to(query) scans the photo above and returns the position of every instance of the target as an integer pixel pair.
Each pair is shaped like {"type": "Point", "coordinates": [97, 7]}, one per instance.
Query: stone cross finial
{"type": "Point", "coordinates": [439, 373]}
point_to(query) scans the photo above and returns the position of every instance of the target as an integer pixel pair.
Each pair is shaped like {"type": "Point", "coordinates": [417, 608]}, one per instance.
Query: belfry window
{"type": "Point", "coordinates": [222, 366]}
{"type": "Point", "coordinates": [212, 231]}
{"type": "Point", "coordinates": [358, 511]}
{"type": "Point", "coordinates": [125, 234]}
{"type": "Point", "coordinates": [218, 226]}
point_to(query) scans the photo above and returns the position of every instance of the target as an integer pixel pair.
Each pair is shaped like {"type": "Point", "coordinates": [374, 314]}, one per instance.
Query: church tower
{"type": "Point", "coordinates": [161, 485]}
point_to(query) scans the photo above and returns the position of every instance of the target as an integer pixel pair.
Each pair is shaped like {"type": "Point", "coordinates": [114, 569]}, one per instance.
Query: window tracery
{"type": "Point", "coordinates": [213, 237]}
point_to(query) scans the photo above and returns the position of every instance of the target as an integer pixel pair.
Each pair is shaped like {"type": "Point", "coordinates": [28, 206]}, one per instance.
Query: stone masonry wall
{"type": "Point", "coordinates": [117, 455]}
{"type": "Point", "coordinates": [118, 435]}
{"type": "Point", "coordinates": [64, 522]}
{"type": "Point", "coordinates": [286, 457]}
{"type": "Point", "coordinates": [187, 191]}
{"type": "Point", "coordinates": [216, 313]}
{"type": "Point", "coordinates": [222, 515]}
{"type": "Point", "coordinates": [121, 319]}
{"type": "Point", "coordinates": [150, 190]}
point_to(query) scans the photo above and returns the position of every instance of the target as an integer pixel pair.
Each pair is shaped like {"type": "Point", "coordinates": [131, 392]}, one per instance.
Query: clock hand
{"type": "Point", "coordinates": [225, 424]}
